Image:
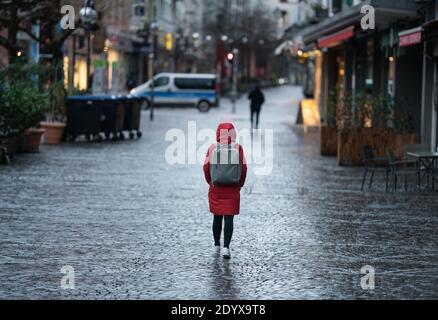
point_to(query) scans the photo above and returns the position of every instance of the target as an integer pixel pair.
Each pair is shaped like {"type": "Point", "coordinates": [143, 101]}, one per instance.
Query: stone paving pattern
{"type": "Point", "coordinates": [134, 227]}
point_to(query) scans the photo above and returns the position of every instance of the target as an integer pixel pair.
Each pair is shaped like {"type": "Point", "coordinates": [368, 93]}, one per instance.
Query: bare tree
{"type": "Point", "coordinates": [250, 30]}
{"type": "Point", "coordinates": [19, 15]}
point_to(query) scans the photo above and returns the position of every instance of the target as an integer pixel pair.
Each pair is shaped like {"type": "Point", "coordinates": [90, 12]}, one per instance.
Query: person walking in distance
{"type": "Point", "coordinates": [257, 99]}
{"type": "Point", "coordinates": [225, 171]}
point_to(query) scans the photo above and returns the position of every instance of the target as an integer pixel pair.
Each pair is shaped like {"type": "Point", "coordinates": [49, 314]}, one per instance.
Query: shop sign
{"type": "Point", "coordinates": [410, 37]}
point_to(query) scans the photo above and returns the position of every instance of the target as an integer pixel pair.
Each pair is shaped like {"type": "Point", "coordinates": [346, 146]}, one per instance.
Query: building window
{"type": "Point", "coordinates": [336, 6]}
{"type": "Point", "coordinates": [369, 80]}
{"type": "Point", "coordinates": [139, 10]}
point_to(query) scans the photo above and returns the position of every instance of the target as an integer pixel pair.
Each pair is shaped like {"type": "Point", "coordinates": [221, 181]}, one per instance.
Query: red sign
{"type": "Point", "coordinates": [410, 39]}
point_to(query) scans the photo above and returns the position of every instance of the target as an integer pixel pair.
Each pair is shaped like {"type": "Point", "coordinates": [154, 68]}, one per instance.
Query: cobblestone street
{"type": "Point", "coordinates": [134, 227]}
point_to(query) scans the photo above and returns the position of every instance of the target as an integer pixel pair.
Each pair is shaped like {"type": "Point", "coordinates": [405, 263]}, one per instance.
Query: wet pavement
{"type": "Point", "coordinates": [134, 227]}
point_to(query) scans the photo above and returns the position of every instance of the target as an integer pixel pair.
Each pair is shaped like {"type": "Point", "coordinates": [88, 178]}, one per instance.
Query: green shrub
{"type": "Point", "coordinates": [403, 120]}
{"type": "Point", "coordinates": [332, 107]}
{"type": "Point", "coordinates": [22, 100]}
{"type": "Point", "coordinates": [361, 110]}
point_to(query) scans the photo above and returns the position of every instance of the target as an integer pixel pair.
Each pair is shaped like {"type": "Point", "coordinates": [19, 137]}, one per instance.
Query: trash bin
{"type": "Point", "coordinates": [132, 116]}
{"type": "Point", "coordinates": [113, 116]}
{"type": "Point", "coordinates": [83, 117]}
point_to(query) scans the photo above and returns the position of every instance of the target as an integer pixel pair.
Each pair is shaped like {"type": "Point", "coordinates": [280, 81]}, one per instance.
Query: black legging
{"type": "Point", "coordinates": [228, 230]}
{"type": "Point", "coordinates": [255, 112]}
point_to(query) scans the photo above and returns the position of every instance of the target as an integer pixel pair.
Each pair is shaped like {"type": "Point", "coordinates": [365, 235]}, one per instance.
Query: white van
{"type": "Point", "coordinates": [182, 89]}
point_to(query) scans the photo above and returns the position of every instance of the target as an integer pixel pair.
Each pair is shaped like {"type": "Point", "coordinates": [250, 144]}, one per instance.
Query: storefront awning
{"type": "Point", "coordinates": [336, 38]}
{"type": "Point", "coordinates": [410, 37]}
{"type": "Point", "coordinates": [431, 25]}
{"type": "Point", "coordinates": [431, 30]}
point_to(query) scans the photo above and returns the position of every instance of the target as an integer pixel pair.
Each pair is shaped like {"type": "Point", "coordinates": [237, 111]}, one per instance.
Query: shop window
{"type": "Point", "coordinates": [139, 11]}
{"type": "Point", "coordinates": [336, 6]}
{"type": "Point", "coordinates": [369, 79]}
{"type": "Point", "coordinates": [391, 79]}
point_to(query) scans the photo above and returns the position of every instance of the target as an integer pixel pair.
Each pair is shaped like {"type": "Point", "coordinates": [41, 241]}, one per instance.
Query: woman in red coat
{"type": "Point", "coordinates": [224, 201]}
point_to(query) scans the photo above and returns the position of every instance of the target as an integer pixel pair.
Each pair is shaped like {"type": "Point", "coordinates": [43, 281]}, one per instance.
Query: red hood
{"type": "Point", "coordinates": [226, 133]}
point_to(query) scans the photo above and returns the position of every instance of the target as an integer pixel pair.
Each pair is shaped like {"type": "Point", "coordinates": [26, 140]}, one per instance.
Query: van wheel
{"type": "Point", "coordinates": [204, 106]}
{"type": "Point", "coordinates": [145, 104]}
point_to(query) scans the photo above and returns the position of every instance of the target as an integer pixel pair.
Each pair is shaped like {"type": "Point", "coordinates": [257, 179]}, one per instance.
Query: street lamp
{"type": "Point", "coordinates": [89, 18]}
{"type": "Point", "coordinates": [154, 28]}
{"type": "Point", "coordinates": [195, 35]}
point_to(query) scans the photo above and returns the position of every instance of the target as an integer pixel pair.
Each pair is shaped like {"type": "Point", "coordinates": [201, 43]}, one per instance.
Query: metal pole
{"type": "Point", "coordinates": [152, 90]}
{"type": "Point", "coordinates": [235, 68]}
{"type": "Point", "coordinates": [154, 53]}
{"type": "Point", "coordinates": [72, 75]}
{"type": "Point", "coordinates": [88, 59]}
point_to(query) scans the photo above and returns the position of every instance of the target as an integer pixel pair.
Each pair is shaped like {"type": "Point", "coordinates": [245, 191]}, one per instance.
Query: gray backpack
{"type": "Point", "coordinates": [225, 165]}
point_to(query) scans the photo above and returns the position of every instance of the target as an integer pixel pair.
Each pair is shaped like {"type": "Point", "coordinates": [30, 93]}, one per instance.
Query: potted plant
{"type": "Point", "coordinates": [22, 109]}
{"type": "Point", "coordinates": [55, 123]}
{"type": "Point", "coordinates": [27, 103]}
{"type": "Point", "coordinates": [5, 140]}
{"type": "Point", "coordinates": [22, 102]}
{"type": "Point", "coordinates": [34, 114]}
{"type": "Point", "coordinates": [7, 132]}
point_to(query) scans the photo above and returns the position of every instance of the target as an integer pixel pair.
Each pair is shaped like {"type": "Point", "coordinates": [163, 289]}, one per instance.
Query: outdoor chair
{"type": "Point", "coordinates": [414, 148]}
{"type": "Point", "coordinates": [401, 168]}
{"type": "Point", "coordinates": [372, 165]}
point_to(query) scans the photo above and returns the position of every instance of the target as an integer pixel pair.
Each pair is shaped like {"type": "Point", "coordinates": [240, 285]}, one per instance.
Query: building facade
{"type": "Point", "coordinates": [123, 43]}
{"type": "Point", "coordinates": [396, 59]}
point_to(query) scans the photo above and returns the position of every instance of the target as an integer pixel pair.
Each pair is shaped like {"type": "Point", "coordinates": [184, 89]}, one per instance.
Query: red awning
{"type": "Point", "coordinates": [336, 38]}
{"type": "Point", "coordinates": [410, 37]}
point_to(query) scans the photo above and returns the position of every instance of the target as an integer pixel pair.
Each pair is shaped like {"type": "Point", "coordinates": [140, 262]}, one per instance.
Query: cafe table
{"type": "Point", "coordinates": [428, 164]}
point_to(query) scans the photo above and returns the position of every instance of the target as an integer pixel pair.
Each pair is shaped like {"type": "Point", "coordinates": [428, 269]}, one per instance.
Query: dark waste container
{"type": "Point", "coordinates": [91, 115]}
{"type": "Point", "coordinates": [132, 116]}
{"type": "Point", "coordinates": [113, 116]}
{"type": "Point", "coordinates": [83, 117]}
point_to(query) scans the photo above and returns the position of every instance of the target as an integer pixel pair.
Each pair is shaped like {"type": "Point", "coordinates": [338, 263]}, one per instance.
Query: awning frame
{"type": "Point", "coordinates": [336, 38]}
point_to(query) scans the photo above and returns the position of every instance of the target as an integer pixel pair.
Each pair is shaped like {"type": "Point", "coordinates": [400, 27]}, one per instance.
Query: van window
{"type": "Point", "coordinates": [161, 82]}
{"type": "Point", "coordinates": [194, 83]}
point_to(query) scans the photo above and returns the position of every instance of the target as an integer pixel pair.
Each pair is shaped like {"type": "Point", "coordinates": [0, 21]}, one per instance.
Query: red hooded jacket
{"type": "Point", "coordinates": [225, 200]}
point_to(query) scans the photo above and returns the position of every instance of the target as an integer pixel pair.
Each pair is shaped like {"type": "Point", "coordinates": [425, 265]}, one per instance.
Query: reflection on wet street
{"type": "Point", "coordinates": [133, 226]}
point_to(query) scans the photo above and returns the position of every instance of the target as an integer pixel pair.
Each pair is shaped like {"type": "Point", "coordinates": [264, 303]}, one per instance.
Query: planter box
{"type": "Point", "coordinates": [4, 157]}
{"type": "Point", "coordinates": [329, 141]}
{"type": "Point", "coordinates": [29, 142]}
{"type": "Point", "coordinates": [12, 146]}
{"type": "Point", "coordinates": [22, 143]}
{"type": "Point", "coordinates": [33, 140]}
{"type": "Point", "coordinates": [53, 132]}
{"type": "Point", "coordinates": [351, 142]}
